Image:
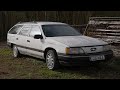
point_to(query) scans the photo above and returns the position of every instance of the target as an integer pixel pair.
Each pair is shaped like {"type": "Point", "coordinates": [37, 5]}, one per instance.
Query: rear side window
{"type": "Point", "coordinates": [15, 29]}
{"type": "Point", "coordinates": [25, 31]}
{"type": "Point", "coordinates": [35, 30]}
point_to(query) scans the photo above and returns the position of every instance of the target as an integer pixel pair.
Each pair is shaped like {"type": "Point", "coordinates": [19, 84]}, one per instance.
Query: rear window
{"type": "Point", "coordinates": [15, 29]}
{"type": "Point", "coordinates": [25, 31]}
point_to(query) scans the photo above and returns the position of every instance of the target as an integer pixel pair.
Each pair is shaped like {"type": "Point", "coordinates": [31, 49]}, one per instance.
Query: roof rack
{"type": "Point", "coordinates": [27, 22]}
{"type": "Point", "coordinates": [34, 21]}
{"type": "Point", "coordinates": [19, 22]}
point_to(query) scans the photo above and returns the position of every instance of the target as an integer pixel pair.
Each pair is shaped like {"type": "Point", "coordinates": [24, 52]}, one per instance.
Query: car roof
{"type": "Point", "coordinates": [39, 23]}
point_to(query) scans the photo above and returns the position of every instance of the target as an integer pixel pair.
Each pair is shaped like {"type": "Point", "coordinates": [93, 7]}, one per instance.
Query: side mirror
{"type": "Point", "coordinates": [38, 36]}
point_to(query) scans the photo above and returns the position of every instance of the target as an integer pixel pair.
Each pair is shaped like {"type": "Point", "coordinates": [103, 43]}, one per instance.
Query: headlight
{"type": "Point", "coordinates": [106, 47]}
{"type": "Point", "coordinates": [74, 51]}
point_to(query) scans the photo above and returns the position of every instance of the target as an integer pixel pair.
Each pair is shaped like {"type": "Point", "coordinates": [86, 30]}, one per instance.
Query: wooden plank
{"type": "Point", "coordinates": [105, 30]}
{"type": "Point", "coordinates": [114, 34]}
{"type": "Point", "coordinates": [104, 36]}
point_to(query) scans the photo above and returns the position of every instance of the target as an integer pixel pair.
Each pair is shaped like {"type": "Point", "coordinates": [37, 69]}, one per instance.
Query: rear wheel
{"type": "Point", "coordinates": [51, 60]}
{"type": "Point", "coordinates": [15, 52]}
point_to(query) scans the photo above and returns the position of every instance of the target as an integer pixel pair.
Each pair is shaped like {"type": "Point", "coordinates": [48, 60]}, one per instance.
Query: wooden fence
{"type": "Point", "coordinates": [9, 18]}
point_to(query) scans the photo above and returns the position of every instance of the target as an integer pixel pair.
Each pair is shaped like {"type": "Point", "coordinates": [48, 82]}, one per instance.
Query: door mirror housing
{"type": "Point", "coordinates": [38, 36]}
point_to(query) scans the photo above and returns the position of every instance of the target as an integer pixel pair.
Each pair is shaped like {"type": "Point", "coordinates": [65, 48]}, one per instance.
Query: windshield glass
{"type": "Point", "coordinates": [59, 30]}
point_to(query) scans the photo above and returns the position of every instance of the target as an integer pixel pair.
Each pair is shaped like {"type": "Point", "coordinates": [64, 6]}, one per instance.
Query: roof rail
{"type": "Point", "coordinates": [19, 22]}
{"type": "Point", "coordinates": [34, 21]}
{"type": "Point", "coordinates": [27, 22]}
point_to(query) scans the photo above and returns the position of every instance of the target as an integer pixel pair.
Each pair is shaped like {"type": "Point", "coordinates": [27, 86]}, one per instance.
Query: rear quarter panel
{"type": "Point", "coordinates": [11, 38]}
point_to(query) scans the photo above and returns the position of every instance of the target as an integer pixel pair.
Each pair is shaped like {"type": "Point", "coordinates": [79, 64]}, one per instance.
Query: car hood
{"type": "Point", "coordinates": [76, 41]}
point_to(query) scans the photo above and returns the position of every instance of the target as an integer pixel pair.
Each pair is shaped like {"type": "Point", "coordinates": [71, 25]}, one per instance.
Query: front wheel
{"type": "Point", "coordinates": [51, 60]}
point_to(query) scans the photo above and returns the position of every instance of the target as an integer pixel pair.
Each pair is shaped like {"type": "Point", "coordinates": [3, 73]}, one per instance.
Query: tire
{"type": "Point", "coordinates": [51, 60]}
{"type": "Point", "coordinates": [16, 53]}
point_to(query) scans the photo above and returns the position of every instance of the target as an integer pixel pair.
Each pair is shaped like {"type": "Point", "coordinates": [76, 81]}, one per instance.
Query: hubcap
{"type": "Point", "coordinates": [50, 60]}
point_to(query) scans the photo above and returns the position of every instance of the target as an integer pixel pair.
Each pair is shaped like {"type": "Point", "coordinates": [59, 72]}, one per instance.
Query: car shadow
{"type": "Point", "coordinates": [105, 70]}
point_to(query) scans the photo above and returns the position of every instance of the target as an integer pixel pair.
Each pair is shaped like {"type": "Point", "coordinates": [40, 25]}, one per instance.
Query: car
{"type": "Point", "coordinates": [57, 43]}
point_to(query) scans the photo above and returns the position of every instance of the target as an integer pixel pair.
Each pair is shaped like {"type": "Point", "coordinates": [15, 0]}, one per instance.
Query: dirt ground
{"type": "Point", "coordinates": [116, 50]}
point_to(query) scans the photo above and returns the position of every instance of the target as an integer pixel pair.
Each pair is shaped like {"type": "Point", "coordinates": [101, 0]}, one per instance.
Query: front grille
{"type": "Point", "coordinates": [98, 53]}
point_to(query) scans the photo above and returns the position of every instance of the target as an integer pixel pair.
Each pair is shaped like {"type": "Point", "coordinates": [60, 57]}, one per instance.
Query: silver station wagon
{"type": "Point", "coordinates": [57, 43]}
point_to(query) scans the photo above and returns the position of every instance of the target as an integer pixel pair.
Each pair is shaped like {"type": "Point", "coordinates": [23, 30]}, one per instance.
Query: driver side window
{"type": "Point", "coordinates": [35, 30]}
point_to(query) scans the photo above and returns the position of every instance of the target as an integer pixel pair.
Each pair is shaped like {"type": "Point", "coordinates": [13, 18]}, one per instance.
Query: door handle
{"type": "Point", "coordinates": [28, 40]}
{"type": "Point", "coordinates": [16, 38]}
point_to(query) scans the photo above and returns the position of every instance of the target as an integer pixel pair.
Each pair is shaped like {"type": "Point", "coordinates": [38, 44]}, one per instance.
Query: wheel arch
{"type": "Point", "coordinates": [11, 46]}
{"type": "Point", "coordinates": [49, 48]}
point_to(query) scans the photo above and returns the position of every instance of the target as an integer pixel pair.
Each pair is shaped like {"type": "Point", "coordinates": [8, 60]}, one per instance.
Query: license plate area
{"type": "Point", "coordinates": [97, 57]}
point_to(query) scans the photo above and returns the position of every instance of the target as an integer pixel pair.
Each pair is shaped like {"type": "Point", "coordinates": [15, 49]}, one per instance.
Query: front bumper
{"type": "Point", "coordinates": [83, 59]}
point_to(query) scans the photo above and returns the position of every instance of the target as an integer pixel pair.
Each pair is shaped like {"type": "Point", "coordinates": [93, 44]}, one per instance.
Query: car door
{"type": "Point", "coordinates": [22, 39]}
{"type": "Point", "coordinates": [35, 45]}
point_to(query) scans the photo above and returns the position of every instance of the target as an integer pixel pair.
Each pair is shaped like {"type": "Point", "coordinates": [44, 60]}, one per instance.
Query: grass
{"type": "Point", "coordinates": [32, 68]}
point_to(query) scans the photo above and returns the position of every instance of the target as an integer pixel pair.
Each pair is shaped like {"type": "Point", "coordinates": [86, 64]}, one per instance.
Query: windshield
{"type": "Point", "coordinates": [59, 30]}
